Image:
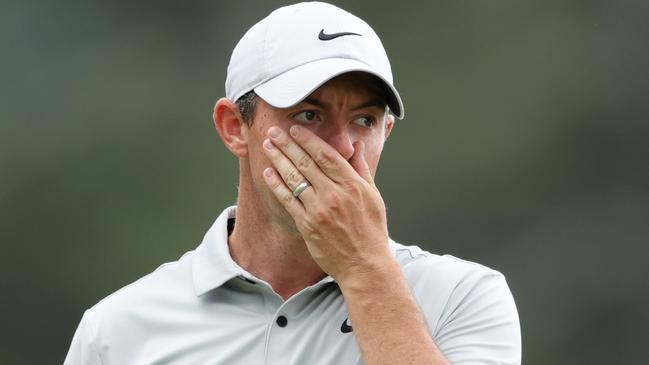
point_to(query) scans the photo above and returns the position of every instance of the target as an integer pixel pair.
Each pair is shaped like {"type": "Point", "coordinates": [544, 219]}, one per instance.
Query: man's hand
{"type": "Point", "coordinates": [342, 220]}
{"type": "Point", "coordinates": [341, 216]}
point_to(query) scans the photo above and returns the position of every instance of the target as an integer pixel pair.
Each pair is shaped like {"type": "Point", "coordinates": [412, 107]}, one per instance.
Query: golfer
{"type": "Point", "coordinates": [301, 270]}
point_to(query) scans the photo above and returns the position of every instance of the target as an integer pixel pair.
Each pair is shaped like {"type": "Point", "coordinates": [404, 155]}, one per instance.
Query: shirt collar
{"type": "Point", "coordinates": [213, 265]}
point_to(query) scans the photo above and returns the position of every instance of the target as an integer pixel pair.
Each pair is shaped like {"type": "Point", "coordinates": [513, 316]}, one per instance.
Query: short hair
{"type": "Point", "coordinates": [247, 104]}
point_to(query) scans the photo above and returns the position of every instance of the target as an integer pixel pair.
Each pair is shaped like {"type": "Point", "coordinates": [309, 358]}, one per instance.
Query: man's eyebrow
{"type": "Point", "coordinates": [379, 103]}
{"type": "Point", "coordinates": [375, 102]}
{"type": "Point", "coordinates": [315, 102]}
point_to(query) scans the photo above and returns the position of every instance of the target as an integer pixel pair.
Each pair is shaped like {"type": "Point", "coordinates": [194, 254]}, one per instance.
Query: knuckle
{"type": "Point", "coordinates": [353, 187]}
{"type": "Point", "coordinates": [333, 200]}
{"type": "Point", "coordinates": [326, 158]}
{"type": "Point", "coordinates": [287, 198]}
{"type": "Point", "coordinates": [320, 216]}
{"type": "Point", "coordinates": [304, 162]}
{"type": "Point", "coordinates": [293, 178]}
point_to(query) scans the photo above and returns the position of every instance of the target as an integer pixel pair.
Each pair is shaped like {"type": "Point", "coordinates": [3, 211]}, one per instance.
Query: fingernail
{"type": "Point", "coordinates": [294, 130]}
{"type": "Point", "coordinates": [268, 144]}
{"type": "Point", "coordinates": [274, 132]}
{"type": "Point", "coordinates": [268, 172]}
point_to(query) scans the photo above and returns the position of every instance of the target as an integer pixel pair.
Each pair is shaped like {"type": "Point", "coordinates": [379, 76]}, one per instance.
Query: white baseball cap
{"type": "Point", "coordinates": [297, 48]}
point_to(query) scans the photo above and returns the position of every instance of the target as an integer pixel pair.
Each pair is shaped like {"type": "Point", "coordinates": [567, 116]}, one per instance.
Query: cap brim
{"type": "Point", "coordinates": [293, 86]}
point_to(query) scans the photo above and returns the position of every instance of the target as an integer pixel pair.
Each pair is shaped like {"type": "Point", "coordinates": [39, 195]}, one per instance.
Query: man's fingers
{"type": "Point", "coordinates": [325, 156]}
{"type": "Point", "coordinates": [290, 175]}
{"type": "Point", "coordinates": [299, 158]}
{"type": "Point", "coordinates": [359, 163]}
{"type": "Point", "coordinates": [292, 204]}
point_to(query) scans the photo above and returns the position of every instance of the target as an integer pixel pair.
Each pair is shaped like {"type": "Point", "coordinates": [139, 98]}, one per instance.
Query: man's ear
{"type": "Point", "coordinates": [229, 124]}
{"type": "Point", "coordinates": [389, 123]}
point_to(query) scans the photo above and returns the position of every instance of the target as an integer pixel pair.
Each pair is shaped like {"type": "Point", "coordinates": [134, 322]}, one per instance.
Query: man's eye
{"type": "Point", "coordinates": [365, 121]}
{"type": "Point", "coordinates": [306, 116]}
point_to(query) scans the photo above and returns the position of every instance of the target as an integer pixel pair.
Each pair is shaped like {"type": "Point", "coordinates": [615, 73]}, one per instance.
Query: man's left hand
{"type": "Point", "coordinates": [341, 216]}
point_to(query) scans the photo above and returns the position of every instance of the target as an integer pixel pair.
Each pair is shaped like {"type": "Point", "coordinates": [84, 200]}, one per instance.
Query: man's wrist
{"type": "Point", "coordinates": [362, 278]}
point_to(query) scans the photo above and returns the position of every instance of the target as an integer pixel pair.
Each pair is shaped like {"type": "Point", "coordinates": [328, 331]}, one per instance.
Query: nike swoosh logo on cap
{"type": "Point", "coordinates": [327, 37]}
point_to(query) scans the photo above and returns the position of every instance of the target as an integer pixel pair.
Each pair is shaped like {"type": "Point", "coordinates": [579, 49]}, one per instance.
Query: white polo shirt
{"type": "Point", "coordinates": [204, 309]}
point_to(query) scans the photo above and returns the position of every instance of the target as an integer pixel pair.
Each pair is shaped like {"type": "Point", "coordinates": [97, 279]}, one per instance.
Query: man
{"type": "Point", "coordinates": [302, 271]}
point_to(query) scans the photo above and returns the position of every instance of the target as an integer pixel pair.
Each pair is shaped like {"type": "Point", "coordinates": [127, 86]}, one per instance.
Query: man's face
{"type": "Point", "coordinates": [348, 108]}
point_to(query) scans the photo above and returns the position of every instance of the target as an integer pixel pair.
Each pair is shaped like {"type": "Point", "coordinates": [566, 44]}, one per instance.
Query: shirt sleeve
{"type": "Point", "coordinates": [82, 350]}
{"type": "Point", "coordinates": [480, 324]}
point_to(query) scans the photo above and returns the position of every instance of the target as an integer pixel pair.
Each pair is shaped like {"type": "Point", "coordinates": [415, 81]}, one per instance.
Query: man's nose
{"type": "Point", "coordinates": [338, 137]}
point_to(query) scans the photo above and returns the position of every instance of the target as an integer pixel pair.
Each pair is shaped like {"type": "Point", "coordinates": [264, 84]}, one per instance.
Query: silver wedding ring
{"type": "Point", "coordinates": [300, 188]}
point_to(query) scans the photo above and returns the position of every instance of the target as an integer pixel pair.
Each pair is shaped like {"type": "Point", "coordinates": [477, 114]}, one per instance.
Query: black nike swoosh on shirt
{"type": "Point", "coordinates": [327, 37]}
{"type": "Point", "coordinates": [346, 328]}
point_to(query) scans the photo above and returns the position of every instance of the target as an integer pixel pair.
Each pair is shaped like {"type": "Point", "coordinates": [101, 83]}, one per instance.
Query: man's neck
{"type": "Point", "coordinates": [271, 250]}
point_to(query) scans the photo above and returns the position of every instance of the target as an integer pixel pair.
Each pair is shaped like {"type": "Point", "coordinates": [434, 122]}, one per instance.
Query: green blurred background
{"type": "Point", "coordinates": [525, 148]}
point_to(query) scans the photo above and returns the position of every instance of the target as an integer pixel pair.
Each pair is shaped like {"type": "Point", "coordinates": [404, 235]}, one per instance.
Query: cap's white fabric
{"type": "Point", "coordinates": [297, 48]}
{"type": "Point", "coordinates": [206, 309]}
